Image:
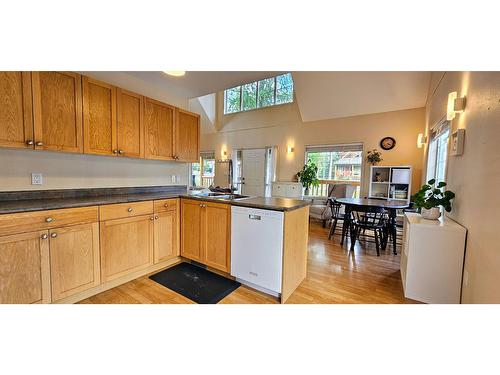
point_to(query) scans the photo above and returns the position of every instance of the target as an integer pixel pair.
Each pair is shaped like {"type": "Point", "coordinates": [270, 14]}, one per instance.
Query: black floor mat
{"type": "Point", "coordinates": [195, 283]}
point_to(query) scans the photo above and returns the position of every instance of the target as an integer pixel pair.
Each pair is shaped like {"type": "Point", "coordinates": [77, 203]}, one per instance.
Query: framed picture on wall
{"type": "Point", "coordinates": [457, 142]}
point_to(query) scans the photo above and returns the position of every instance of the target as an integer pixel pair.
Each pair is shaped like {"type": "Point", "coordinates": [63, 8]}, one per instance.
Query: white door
{"type": "Point", "coordinates": [253, 168]}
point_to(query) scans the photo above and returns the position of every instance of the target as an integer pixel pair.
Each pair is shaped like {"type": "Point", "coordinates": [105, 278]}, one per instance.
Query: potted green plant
{"type": "Point", "coordinates": [430, 197]}
{"type": "Point", "coordinates": [308, 176]}
{"type": "Point", "coordinates": [374, 157]}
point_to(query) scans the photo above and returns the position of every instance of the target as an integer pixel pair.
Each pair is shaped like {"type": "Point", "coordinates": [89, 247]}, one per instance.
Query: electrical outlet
{"type": "Point", "coordinates": [177, 178]}
{"type": "Point", "coordinates": [36, 179]}
{"type": "Point", "coordinates": [173, 178]}
{"type": "Point", "coordinates": [466, 278]}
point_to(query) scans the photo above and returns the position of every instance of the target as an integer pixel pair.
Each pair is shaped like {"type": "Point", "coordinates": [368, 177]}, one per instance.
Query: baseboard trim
{"type": "Point", "coordinates": [119, 281]}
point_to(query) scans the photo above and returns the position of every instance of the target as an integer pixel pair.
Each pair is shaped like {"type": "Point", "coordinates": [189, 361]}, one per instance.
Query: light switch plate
{"type": "Point", "coordinates": [36, 179]}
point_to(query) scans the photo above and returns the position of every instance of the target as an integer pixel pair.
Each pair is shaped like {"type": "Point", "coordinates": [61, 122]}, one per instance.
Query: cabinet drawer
{"type": "Point", "coordinates": [123, 210]}
{"type": "Point", "coordinates": [166, 205]}
{"type": "Point", "coordinates": [40, 220]}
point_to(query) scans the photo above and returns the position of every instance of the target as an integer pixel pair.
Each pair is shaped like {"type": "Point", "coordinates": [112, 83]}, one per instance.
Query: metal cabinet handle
{"type": "Point", "coordinates": [151, 218]}
{"type": "Point", "coordinates": [44, 236]}
{"type": "Point", "coordinates": [129, 209]}
{"type": "Point", "coordinates": [156, 217]}
{"type": "Point", "coordinates": [165, 205]}
{"type": "Point", "coordinates": [115, 151]}
{"type": "Point", "coordinates": [53, 235]}
{"type": "Point", "coordinates": [39, 143]}
{"type": "Point", "coordinates": [29, 142]}
{"type": "Point", "coordinates": [120, 152]}
{"type": "Point", "coordinates": [49, 220]}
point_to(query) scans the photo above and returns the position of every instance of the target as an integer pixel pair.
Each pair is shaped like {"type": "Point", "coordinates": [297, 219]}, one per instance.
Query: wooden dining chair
{"type": "Point", "coordinates": [337, 216]}
{"type": "Point", "coordinates": [373, 219]}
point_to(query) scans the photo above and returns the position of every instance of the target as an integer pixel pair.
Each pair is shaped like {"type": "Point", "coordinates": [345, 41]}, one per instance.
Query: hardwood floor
{"type": "Point", "coordinates": [334, 275]}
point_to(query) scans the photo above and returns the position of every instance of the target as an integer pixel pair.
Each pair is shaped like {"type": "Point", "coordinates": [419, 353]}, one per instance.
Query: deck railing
{"type": "Point", "coordinates": [322, 189]}
{"type": "Point", "coordinates": [207, 181]}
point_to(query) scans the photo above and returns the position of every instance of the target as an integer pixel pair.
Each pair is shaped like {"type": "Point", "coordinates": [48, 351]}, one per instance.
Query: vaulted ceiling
{"type": "Point", "coordinates": [327, 95]}
{"type": "Point", "coordinates": [319, 95]}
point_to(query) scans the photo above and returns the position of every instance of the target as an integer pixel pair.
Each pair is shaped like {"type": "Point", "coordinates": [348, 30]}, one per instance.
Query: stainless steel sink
{"type": "Point", "coordinates": [223, 196]}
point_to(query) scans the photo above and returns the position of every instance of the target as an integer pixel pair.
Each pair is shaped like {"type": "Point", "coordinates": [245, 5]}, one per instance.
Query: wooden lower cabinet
{"type": "Point", "coordinates": [191, 230]}
{"type": "Point", "coordinates": [126, 245]}
{"type": "Point", "coordinates": [166, 235]}
{"type": "Point", "coordinates": [24, 268]}
{"type": "Point", "coordinates": [206, 233]}
{"type": "Point", "coordinates": [74, 259]}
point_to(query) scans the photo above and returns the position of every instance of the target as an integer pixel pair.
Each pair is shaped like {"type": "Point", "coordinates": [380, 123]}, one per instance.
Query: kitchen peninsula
{"type": "Point", "coordinates": [124, 233]}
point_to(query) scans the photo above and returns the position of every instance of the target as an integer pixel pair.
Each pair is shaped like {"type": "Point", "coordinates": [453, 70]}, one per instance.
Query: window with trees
{"type": "Point", "coordinates": [336, 164]}
{"type": "Point", "coordinates": [203, 172]}
{"type": "Point", "coordinates": [260, 94]}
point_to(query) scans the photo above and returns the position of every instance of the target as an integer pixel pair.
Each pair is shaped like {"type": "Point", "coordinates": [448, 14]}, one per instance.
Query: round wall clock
{"type": "Point", "coordinates": [387, 143]}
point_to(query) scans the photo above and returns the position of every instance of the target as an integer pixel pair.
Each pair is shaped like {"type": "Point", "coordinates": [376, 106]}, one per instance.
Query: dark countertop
{"type": "Point", "coordinates": [27, 201]}
{"type": "Point", "coordinates": [268, 203]}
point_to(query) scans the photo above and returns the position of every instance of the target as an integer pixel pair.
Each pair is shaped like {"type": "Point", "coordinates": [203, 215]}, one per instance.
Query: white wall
{"type": "Point", "coordinates": [475, 175]}
{"type": "Point", "coordinates": [71, 171]}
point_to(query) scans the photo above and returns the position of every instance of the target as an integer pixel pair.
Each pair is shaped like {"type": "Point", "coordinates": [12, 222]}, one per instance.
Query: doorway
{"type": "Point", "coordinates": [255, 171]}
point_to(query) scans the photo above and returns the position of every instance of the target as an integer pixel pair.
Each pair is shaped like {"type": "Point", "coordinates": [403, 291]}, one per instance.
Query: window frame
{"type": "Point", "coordinates": [439, 130]}
{"type": "Point", "coordinates": [275, 79]}
{"type": "Point", "coordinates": [357, 184]}
{"type": "Point", "coordinates": [202, 157]}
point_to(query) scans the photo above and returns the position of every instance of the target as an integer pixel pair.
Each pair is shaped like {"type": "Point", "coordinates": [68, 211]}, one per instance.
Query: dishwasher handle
{"type": "Point", "coordinates": [254, 217]}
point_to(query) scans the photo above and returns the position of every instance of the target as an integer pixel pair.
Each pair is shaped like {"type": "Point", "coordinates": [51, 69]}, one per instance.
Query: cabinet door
{"type": "Point", "coordinates": [24, 268]}
{"type": "Point", "coordinates": [191, 229]}
{"type": "Point", "coordinates": [99, 117]}
{"type": "Point", "coordinates": [74, 259]}
{"type": "Point", "coordinates": [159, 130]}
{"type": "Point", "coordinates": [217, 235]}
{"type": "Point", "coordinates": [16, 117]}
{"type": "Point", "coordinates": [57, 108]}
{"type": "Point", "coordinates": [130, 134]}
{"type": "Point", "coordinates": [166, 235]}
{"type": "Point", "coordinates": [187, 136]}
{"type": "Point", "coordinates": [126, 246]}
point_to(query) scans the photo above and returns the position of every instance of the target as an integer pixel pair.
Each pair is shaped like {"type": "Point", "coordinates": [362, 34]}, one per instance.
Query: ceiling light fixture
{"type": "Point", "coordinates": [174, 73]}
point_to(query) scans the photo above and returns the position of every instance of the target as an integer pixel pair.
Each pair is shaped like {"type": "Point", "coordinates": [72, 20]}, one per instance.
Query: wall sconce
{"type": "Point", "coordinates": [455, 105]}
{"type": "Point", "coordinates": [421, 140]}
{"type": "Point", "coordinates": [290, 150]}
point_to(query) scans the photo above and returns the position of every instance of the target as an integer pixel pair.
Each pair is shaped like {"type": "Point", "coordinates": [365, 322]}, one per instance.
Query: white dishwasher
{"type": "Point", "coordinates": [257, 248]}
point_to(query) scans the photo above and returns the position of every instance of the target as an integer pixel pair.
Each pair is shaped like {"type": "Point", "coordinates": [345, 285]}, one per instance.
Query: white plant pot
{"type": "Point", "coordinates": [433, 214]}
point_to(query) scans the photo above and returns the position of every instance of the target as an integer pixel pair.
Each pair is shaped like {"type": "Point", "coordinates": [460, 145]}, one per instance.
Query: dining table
{"type": "Point", "coordinates": [363, 204]}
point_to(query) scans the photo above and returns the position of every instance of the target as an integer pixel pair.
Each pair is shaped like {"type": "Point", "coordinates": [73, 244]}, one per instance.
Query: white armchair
{"type": "Point", "coordinates": [320, 210]}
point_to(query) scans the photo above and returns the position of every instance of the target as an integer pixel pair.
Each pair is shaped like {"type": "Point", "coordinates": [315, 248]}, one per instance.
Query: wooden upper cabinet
{"type": "Point", "coordinates": [130, 109]}
{"type": "Point", "coordinates": [217, 237]}
{"type": "Point", "coordinates": [99, 117]}
{"type": "Point", "coordinates": [74, 259]}
{"type": "Point", "coordinates": [24, 268]}
{"type": "Point", "coordinates": [187, 136]}
{"type": "Point", "coordinates": [158, 130]}
{"type": "Point", "coordinates": [16, 116]}
{"type": "Point", "coordinates": [57, 109]}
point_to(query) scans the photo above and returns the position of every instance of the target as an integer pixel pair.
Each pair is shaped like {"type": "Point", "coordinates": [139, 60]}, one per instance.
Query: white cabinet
{"type": "Point", "coordinates": [432, 259]}
{"type": "Point", "coordinates": [287, 189]}
{"type": "Point", "coordinates": [390, 182]}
